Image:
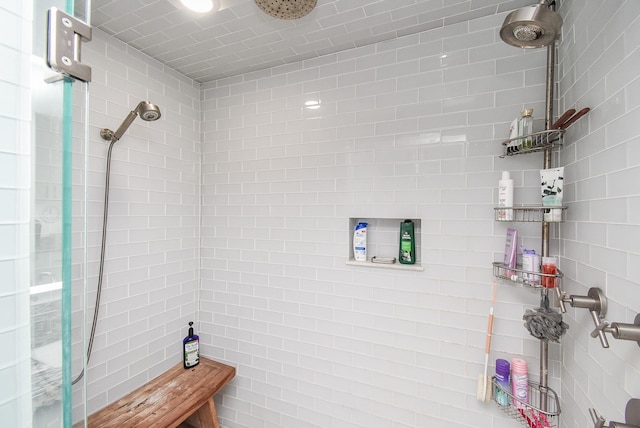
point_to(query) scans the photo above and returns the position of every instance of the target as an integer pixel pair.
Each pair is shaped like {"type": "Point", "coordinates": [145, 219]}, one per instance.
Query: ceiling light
{"type": "Point", "coordinates": [202, 6]}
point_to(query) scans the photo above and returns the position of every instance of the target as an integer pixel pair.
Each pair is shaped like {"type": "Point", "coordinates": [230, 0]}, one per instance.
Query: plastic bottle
{"type": "Point", "coordinates": [502, 377]}
{"type": "Point", "coordinates": [191, 348]}
{"type": "Point", "coordinates": [550, 267]}
{"type": "Point", "coordinates": [505, 196]}
{"type": "Point", "coordinates": [526, 129]}
{"type": "Point", "coordinates": [520, 381]}
{"type": "Point", "coordinates": [407, 250]}
{"type": "Point", "coordinates": [530, 263]}
{"type": "Point", "coordinates": [360, 242]}
{"type": "Point", "coordinates": [514, 129]}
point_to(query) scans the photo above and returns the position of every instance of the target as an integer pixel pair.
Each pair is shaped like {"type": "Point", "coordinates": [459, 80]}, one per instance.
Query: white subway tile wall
{"type": "Point", "coordinates": [599, 59]}
{"type": "Point", "coordinates": [151, 279]}
{"type": "Point", "coordinates": [405, 129]}
{"type": "Point", "coordinates": [320, 344]}
{"type": "Point", "coordinates": [15, 158]}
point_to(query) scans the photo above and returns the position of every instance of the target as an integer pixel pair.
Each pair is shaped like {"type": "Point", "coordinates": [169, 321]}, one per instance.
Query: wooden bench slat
{"type": "Point", "coordinates": [169, 399]}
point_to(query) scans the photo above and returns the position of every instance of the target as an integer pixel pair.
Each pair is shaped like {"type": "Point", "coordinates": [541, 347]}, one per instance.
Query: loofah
{"type": "Point", "coordinates": [544, 323]}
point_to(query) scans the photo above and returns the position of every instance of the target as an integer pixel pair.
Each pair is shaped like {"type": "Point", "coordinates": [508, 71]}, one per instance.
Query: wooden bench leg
{"type": "Point", "coordinates": [205, 417]}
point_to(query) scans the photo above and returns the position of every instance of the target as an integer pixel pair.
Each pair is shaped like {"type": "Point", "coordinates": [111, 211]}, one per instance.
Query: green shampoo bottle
{"type": "Point", "coordinates": [407, 252]}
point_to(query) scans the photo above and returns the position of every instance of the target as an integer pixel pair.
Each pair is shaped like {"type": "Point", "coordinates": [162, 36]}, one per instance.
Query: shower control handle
{"type": "Point", "coordinates": [596, 302]}
{"type": "Point", "coordinates": [600, 329]}
{"type": "Point", "coordinates": [599, 421]}
{"type": "Point", "coordinates": [625, 331]}
{"type": "Point", "coordinates": [562, 298]}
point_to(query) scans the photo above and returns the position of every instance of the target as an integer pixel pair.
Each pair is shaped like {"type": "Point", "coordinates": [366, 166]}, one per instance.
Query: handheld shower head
{"type": "Point", "coordinates": [146, 110]}
{"type": "Point", "coordinates": [531, 26]}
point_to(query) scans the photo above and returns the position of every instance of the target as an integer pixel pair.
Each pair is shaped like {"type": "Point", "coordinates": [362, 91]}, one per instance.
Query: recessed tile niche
{"type": "Point", "coordinates": [383, 240]}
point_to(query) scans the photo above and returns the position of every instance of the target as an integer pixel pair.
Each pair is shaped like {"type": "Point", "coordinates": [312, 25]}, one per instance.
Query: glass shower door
{"type": "Point", "coordinates": [41, 222]}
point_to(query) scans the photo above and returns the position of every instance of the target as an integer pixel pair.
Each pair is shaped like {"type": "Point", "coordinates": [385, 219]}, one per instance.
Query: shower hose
{"type": "Point", "coordinates": [101, 271]}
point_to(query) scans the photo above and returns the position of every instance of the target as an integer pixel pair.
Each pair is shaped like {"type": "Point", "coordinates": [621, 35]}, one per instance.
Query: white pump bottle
{"type": "Point", "coordinates": [505, 197]}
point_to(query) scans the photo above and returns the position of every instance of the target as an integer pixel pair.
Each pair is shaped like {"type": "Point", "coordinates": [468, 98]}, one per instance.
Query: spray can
{"type": "Point", "coordinates": [407, 251]}
{"type": "Point", "coordinates": [520, 382]}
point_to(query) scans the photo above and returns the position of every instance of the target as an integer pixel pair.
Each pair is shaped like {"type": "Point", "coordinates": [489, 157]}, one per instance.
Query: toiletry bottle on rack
{"type": "Point", "coordinates": [502, 377]}
{"type": "Point", "coordinates": [407, 250]}
{"type": "Point", "coordinates": [191, 348]}
{"type": "Point", "coordinates": [514, 129]}
{"type": "Point", "coordinates": [520, 382]}
{"type": "Point", "coordinates": [526, 129]}
{"type": "Point", "coordinates": [510, 255]}
{"type": "Point", "coordinates": [549, 267]}
{"type": "Point", "coordinates": [531, 265]}
{"type": "Point", "coordinates": [505, 196]}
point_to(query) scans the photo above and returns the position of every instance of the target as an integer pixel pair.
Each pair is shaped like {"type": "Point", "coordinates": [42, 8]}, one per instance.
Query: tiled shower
{"type": "Point", "coordinates": [233, 211]}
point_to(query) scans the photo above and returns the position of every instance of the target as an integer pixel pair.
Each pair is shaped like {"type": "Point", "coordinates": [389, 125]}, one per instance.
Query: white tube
{"type": "Point", "coordinates": [551, 186]}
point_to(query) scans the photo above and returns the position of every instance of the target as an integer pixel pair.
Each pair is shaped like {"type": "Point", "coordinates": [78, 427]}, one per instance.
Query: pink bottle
{"type": "Point", "coordinates": [520, 381]}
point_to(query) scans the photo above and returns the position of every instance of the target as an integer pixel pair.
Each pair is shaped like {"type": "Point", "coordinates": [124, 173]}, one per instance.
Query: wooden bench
{"type": "Point", "coordinates": [178, 397]}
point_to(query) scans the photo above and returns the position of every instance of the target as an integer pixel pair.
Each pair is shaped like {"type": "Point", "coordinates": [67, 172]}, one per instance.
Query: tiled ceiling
{"type": "Point", "coordinates": [241, 38]}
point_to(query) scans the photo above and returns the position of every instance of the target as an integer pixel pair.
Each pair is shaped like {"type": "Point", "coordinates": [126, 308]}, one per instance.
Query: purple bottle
{"type": "Point", "coordinates": [503, 369]}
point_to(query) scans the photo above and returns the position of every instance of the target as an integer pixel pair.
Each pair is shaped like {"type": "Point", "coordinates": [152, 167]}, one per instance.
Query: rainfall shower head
{"type": "Point", "coordinates": [286, 9]}
{"type": "Point", "coordinates": [531, 26]}
{"type": "Point", "coordinates": [144, 109]}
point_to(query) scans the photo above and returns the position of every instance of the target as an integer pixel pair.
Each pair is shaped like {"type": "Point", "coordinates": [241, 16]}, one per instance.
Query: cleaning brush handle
{"type": "Point", "coordinates": [489, 332]}
{"type": "Point", "coordinates": [562, 119]}
{"type": "Point", "coordinates": [575, 117]}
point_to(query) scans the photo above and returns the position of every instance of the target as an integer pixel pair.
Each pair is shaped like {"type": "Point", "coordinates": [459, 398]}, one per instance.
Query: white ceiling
{"type": "Point", "coordinates": [242, 38]}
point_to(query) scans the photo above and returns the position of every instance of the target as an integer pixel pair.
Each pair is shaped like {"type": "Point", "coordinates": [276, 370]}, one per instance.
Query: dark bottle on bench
{"type": "Point", "coordinates": [191, 348]}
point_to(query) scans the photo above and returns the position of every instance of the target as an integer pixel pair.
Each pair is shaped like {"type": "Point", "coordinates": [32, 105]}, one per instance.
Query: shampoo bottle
{"type": "Point", "coordinates": [407, 253]}
{"type": "Point", "coordinates": [191, 348]}
{"type": "Point", "coordinates": [360, 242]}
{"type": "Point", "coordinates": [505, 197]}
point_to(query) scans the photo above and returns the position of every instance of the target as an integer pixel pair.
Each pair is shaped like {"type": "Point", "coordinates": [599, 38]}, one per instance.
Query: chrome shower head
{"type": "Point", "coordinates": [532, 26]}
{"type": "Point", "coordinates": [146, 110]}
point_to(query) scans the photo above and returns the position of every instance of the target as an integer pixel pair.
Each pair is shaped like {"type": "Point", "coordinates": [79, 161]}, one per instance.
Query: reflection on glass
{"type": "Point", "coordinates": [47, 234]}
